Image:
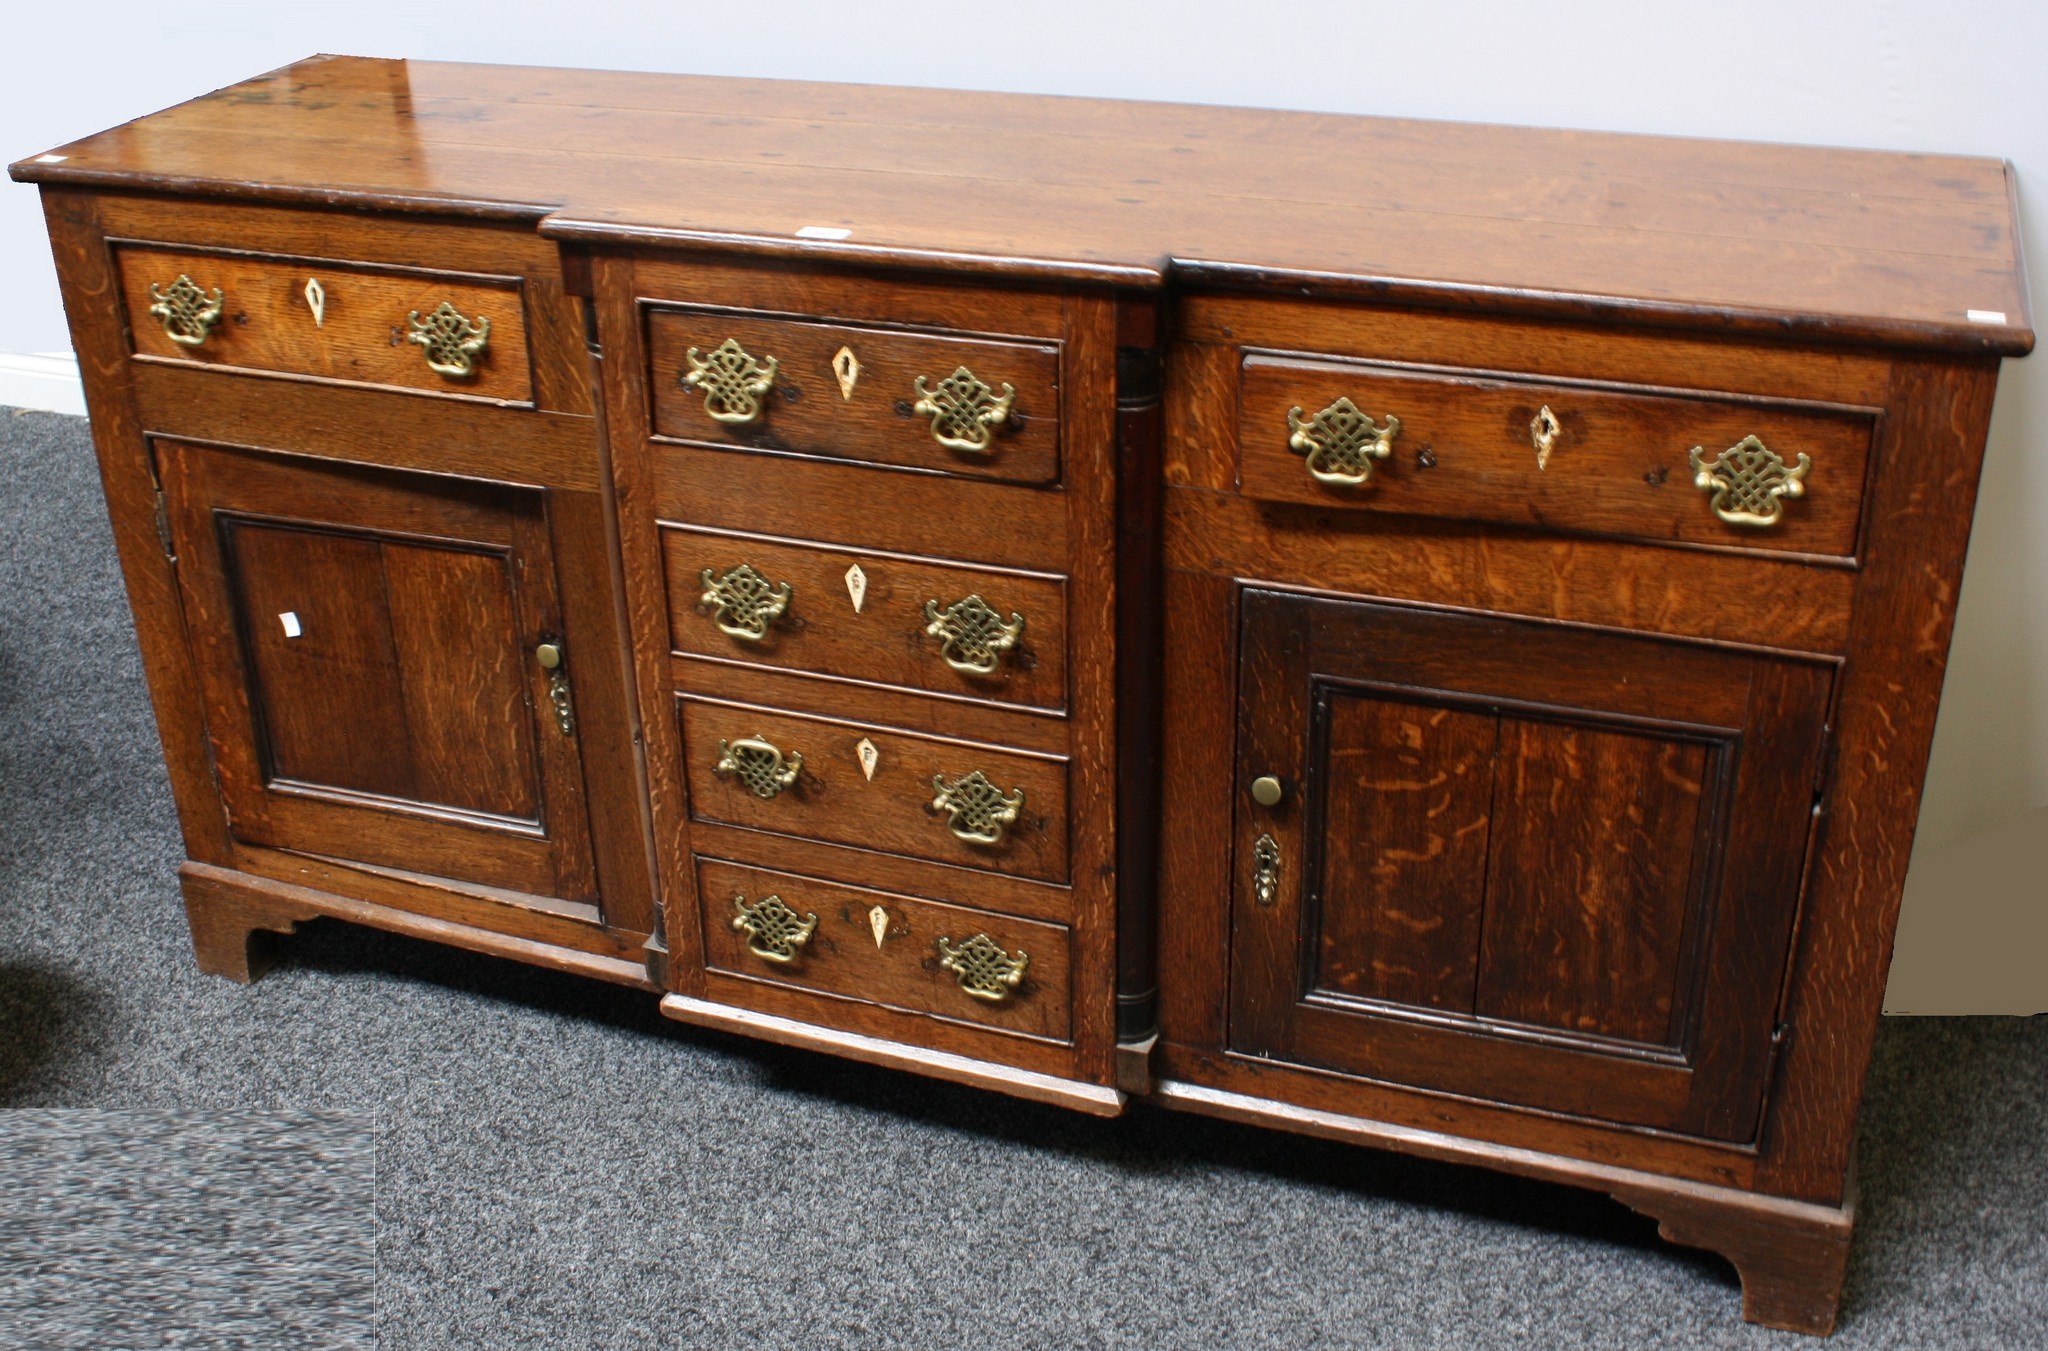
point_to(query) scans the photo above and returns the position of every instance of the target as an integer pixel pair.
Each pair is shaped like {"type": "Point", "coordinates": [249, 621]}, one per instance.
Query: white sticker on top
{"type": "Point", "coordinates": [824, 232]}
{"type": "Point", "coordinates": [1985, 316]}
{"type": "Point", "coordinates": [290, 620]}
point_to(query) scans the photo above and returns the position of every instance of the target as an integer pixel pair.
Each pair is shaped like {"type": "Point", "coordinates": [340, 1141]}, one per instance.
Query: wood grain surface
{"type": "Point", "coordinates": [1617, 463]}
{"type": "Point", "coordinates": [1848, 243]}
{"type": "Point", "coordinates": [886, 640]}
{"type": "Point", "coordinates": [361, 333]}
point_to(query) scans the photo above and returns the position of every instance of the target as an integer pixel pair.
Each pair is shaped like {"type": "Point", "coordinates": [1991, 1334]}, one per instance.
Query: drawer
{"type": "Point", "coordinates": [821, 788]}
{"type": "Point", "coordinates": [915, 623]}
{"type": "Point", "coordinates": [1582, 457]}
{"type": "Point", "coordinates": [881, 948]}
{"type": "Point", "coordinates": [944, 403]}
{"type": "Point", "coordinates": [335, 320]}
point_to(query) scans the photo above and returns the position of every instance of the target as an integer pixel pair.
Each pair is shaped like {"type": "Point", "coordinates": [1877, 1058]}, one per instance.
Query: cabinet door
{"type": "Point", "coordinates": [368, 642]}
{"type": "Point", "coordinates": [1516, 861]}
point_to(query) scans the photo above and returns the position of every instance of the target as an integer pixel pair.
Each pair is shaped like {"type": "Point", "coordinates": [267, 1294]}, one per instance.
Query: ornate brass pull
{"type": "Point", "coordinates": [774, 933]}
{"type": "Point", "coordinates": [549, 655]}
{"type": "Point", "coordinates": [452, 339]}
{"type": "Point", "coordinates": [731, 381]}
{"type": "Point", "coordinates": [979, 812]}
{"type": "Point", "coordinates": [1266, 870]}
{"type": "Point", "coordinates": [963, 410]}
{"type": "Point", "coordinates": [188, 313]}
{"type": "Point", "coordinates": [972, 637]}
{"type": "Point", "coordinates": [1749, 482]}
{"type": "Point", "coordinates": [1341, 443]}
{"type": "Point", "coordinates": [984, 969]}
{"type": "Point", "coordinates": [759, 764]}
{"type": "Point", "coordinates": [742, 603]}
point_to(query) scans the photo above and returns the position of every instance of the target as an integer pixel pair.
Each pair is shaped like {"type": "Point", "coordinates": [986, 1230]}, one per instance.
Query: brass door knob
{"type": "Point", "coordinates": [548, 655]}
{"type": "Point", "coordinates": [1267, 791]}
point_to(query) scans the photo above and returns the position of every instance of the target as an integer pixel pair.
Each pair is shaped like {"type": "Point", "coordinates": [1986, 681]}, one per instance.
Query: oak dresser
{"type": "Point", "coordinates": [1419, 634]}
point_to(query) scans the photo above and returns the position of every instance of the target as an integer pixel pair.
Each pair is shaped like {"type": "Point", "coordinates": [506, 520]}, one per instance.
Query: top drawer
{"type": "Point", "coordinates": [955, 405]}
{"type": "Point", "coordinates": [1517, 450]}
{"type": "Point", "coordinates": [444, 332]}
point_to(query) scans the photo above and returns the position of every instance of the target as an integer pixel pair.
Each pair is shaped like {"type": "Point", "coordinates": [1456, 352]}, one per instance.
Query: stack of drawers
{"type": "Point", "coordinates": [862, 562]}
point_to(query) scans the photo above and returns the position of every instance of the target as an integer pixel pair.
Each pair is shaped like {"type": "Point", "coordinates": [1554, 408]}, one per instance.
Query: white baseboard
{"type": "Point", "coordinates": [45, 380]}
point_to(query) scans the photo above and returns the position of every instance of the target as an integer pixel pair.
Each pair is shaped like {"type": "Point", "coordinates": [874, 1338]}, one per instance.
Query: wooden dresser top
{"type": "Point", "coordinates": [1852, 245]}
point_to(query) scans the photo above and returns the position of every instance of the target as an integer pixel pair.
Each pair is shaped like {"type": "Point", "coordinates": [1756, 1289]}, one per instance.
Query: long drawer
{"type": "Point", "coordinates": [919, 624]}
{"type": "Point", "coordinates": [409, 328]}
{"type": "Point", "coordinates": [870, 787]}
{"type": "Point", "coordinates": [934, 401]}
{"type": "Point", "coordinates": [1517, 449]}
{"type": "Point", "coordinates": [876, 947]}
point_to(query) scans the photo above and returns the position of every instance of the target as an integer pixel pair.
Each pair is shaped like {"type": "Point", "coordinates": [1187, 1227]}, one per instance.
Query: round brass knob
{"type": "Point", "coordinates": [548, 655]}
{"type": "Point", "coordinates": [1267, 791]}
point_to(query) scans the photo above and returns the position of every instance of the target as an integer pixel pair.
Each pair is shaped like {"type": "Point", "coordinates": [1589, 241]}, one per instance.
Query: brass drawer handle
{"type": "Point", "coordinates": [452, 339]}
{"type": "Point", "coordinates": [774, 933]}
{"type": "Point", "coordinates": [759, 764]}
{"type": "Point", "coordinates": [1749, 482]}
{"type": "Point", "coordinates": [1341, 443]}
{"type": "Point", "coordinates": [963, 410]}
{"type": "Point", "coordinates": [188, 313]}
{"type": "Point", "coordinates": [742, 602]}
{"type": "Point", "coordinates": [978, 812]}
{"type": "Point", "coordinates": [731, 381]}
{"type": "Point", "coordinates": [972, 637]}
{"type": "Point", "coordinates": [984, 969]}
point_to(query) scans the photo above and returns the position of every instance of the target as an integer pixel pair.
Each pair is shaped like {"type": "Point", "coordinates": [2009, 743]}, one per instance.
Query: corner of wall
{"type": "Point", "coordinates": [41, 380]}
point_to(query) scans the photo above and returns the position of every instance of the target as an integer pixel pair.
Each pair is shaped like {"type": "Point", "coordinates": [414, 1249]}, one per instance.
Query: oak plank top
{"type": "Point", "coordinates": [1851, 244]}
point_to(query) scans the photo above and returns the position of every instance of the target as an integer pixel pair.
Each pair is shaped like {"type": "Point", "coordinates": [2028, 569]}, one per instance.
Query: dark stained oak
{"type": "Point", "coordinates": [1594, 808]}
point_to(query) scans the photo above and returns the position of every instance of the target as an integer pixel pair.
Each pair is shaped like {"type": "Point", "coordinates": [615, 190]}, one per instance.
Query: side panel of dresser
{"type": "Point", "coordinates": [1773, 1198]}
{"type": "Point", "coordinates": [868, 666]}
{"type": "Point", "coordinates": [374, 518]}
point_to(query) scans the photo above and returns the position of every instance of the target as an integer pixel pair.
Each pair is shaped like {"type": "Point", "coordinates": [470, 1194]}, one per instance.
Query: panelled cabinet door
{"type": "Point", "coordinates": [369, 645]}
{"type": "Point", "coordinates": [1518, 862]}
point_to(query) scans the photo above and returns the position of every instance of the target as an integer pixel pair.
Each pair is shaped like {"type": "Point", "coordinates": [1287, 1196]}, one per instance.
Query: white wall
{"type": "Point", "coordinates": [1893, 74]}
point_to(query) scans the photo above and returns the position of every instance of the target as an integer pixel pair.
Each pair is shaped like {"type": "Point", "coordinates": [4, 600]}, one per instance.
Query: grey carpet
{"type": "Point", "coordinates": [558, 1166]}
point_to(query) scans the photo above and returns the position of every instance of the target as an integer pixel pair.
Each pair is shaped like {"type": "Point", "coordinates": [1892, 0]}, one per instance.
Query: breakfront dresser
{"type": "Point", "coordinates": [1424, 635]}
